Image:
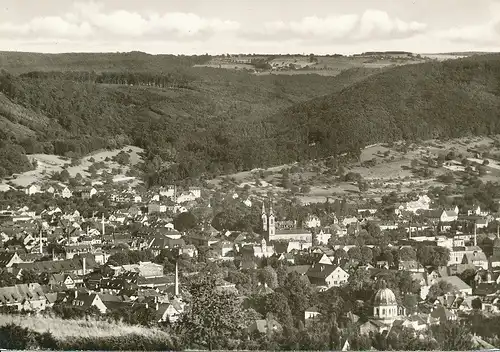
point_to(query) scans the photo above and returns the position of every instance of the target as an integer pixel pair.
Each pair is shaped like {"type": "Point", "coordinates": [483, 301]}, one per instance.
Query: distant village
{"type": "Point", "coordinates": [144, 247]}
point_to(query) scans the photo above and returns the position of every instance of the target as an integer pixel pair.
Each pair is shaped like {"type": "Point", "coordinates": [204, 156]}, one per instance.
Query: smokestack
{"type": "Point", "coordinates": [102, 223]}
{"type": "Point", "coordinates": [41, 244]}
{"type": "Point", "coordinates": [475, 234]}
{"type": "Point", "coordinates": [498, 230]}
{"type": "Point", "coordinates": [176, 279]}
{"type": "Point", "coordinates": [84, 262]}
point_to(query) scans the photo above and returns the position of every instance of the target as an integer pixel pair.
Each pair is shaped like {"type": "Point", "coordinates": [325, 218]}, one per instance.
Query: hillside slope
{"type": "Point", "coordinates": [21, 62]}
{"type": "Point", "coordinates": [447, 99]}
{"type": "Point", "coordinates": [203, 125]}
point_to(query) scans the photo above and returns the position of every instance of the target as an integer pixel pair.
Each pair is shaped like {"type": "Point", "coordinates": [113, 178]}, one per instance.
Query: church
{"type": "Point", "coordinates": [385, 311]}
{"type": "Point", "coordinates": [282, 230]}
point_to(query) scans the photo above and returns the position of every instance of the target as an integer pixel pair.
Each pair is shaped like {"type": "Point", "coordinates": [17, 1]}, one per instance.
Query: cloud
{"type": "Point", "coordinates": [487, 32]}
{"type": "Point", "coordinates": [51, 26]}
{"type": "Point", "coordinates": [89, 19]}
{"type": "Point", "coordinates": [370, 25]}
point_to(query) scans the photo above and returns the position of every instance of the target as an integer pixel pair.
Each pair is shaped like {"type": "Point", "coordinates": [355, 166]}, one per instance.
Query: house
{"type": "Point", "coordinates": [441, 314]}
{"type": "Point", "coordinates": [156, 208]}
{"type": "Point", "coordinates": [263, 251]}
{"type": "Point", "coordinates": [477, 258]}
{"type": "Point", "coordinates": [80, 265]}
{"type": "Point", "coordinates": [63, 281]}
{"type": "Point", "coordinates": [311, 314]}
{"type": "Point", "coordinates": [458, 284]}
{"type": "Point", "coordinates": [170, 312]}
{"type": "Point", "coordinates": [312, 221]}
{"type": "Point", "coordinates": [327, 275]}
{"type": "Point", "coordinates": [457, 254]}
{"type": "Point", "coordinates": [66, 193]}
{"type": "Point", "coordinates": [323, 236]}
{"type": "Point", "coordinates": [33, 189]}
{"type": "Point", "coordinates": [29, 297]}
{"type": "Point", "coordinates": [86, 300]}
{"type": "Point", "coordinates": [85, 192]}
{"type": "Point", "coordinates": [422, 203]}
{"type": "Point", "coordinates": [412, 266]}
{"type": "Point", "coordinates": [263, 326]}
{"type": "Point", "coordinates": [143, 269]}
{"type": "Point", "coordinates": [372, 326]}
{"type": "Point", "coordinates": [7, 259]}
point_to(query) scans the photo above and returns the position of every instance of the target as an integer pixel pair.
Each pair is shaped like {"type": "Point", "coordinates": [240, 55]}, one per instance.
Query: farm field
{"type": "Point", "coordinates": [48, 164]}
{"type": "Point", "coordinates": [385, 168]}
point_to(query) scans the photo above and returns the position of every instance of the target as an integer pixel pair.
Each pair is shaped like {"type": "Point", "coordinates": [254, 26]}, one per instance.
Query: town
{"type": "Point", "coordinates": [330, 275]}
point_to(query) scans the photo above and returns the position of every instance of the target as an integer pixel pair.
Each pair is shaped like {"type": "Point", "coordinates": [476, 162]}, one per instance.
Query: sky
{"type": "Point", "coordinates": [249, 26]}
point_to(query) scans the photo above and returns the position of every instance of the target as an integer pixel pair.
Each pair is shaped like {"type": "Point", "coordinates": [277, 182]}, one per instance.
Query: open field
{"type": "Point", "coordinates": [63, 329]}
{"type": "Point", "coordinates": [385, 168]}
{"type": "Point", "coordinates": [48, 164]}
{"type": "Point", "coordinates": [322, 65]}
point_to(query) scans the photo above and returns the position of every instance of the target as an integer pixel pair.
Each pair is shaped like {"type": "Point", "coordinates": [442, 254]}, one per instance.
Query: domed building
{"type": "Point", "coordinates": [495, 258]}
{"type": "Point", "coordinates": [385, 305]}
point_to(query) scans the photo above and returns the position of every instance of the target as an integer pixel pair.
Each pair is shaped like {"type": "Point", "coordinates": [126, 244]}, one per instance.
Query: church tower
{"type": "Point", "coordinates": [264, 218]}
{"type": "Point", "coordinates": [271, 225]}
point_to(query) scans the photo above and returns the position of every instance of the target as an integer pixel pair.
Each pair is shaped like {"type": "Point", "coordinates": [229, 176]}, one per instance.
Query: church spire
{"type": "Point", "coordinates": [263, 208]}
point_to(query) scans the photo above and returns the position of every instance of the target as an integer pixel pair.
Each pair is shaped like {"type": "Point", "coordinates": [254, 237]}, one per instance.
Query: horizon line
{"type": "Point", "coordinates": [250, 54]}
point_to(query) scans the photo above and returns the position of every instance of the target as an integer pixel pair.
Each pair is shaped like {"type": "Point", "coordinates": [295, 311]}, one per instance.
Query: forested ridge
{"type": "Point", "coordinates": [201, 121]}
{"type": "Point", "coordinates": [429, 100]}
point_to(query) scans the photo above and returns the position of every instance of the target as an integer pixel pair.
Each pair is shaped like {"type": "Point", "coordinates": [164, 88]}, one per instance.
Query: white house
{"type": "Point", "coordinates": [312, 221]}
{"type": "Point", "coordinates": [422, 203]}
{"type": "Point", "coordinates": [33, 189]}
{"type": "Point", "coordinates": [66, 193]}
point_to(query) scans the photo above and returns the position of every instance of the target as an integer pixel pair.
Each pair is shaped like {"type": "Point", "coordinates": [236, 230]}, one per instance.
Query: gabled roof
{"type": "Point", "coordinates": [19, 293]}
{"type": "Point", "coordinates": [456, 282]}
{"type": "Point", "coordinates": [5, 258]}
{"type": "Point", "coordinates": [322, 271]}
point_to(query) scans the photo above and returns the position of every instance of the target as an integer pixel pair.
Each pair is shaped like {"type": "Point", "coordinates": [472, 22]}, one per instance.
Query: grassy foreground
{"type": "Point", "coordinates": [88, 334]}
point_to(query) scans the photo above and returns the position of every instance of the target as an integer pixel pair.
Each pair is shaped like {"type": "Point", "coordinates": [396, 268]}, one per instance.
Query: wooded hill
{"type": "Point", "coordinates": [219, 121]}
{"type": "Point", "coordinates": [181, 114]}
{"type": "Point", "coordinates": [430, 100]}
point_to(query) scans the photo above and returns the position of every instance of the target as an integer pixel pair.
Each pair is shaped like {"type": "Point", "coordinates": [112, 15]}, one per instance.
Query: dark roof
{"type": "Point", "coordinates": [5, 258]}
{"type": "Point", "coordinates": [321, 271]}
{"type": "Point", "coordinates": [300, 269]}
{"type": "Point", "coordinates": [58, 266]}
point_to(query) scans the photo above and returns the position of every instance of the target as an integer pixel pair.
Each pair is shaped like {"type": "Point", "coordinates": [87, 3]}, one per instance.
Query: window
{"type": "Point", "coordinates": [383, 311]}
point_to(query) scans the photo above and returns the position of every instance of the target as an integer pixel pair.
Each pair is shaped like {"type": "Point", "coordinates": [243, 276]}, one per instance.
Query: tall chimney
{"type": "Point", "coordinates": [41, 244]}
{"type": "Point", "coordinates": [84, 262]}
{"type": "Point", "coordinates": [475, 234]}
{"type": "Point", "coordinates": [102, 223]}
{"type": "Point", "coordinates": [498, 230]}
{"type": "Point", "coordinates": [176, 279]}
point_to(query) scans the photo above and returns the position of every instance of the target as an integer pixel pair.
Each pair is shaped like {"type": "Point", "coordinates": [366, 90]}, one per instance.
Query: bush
{"type": "Point", "coordinates": [13, 336]}
{"type": "Point", "coordinates": [131, 342]}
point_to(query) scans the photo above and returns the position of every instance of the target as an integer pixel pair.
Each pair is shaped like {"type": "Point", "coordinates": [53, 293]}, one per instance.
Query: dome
{"type": "Point", "coordinates": [384, 297]}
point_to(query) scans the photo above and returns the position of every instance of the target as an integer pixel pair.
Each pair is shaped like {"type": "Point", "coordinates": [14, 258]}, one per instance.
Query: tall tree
{"type": "Point", "coordinates": [453, 336]}
{"type": "Point", "coordinates": [212, 316]}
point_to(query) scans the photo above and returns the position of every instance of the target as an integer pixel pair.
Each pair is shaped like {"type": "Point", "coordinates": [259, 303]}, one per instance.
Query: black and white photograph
{"type": "Point", "coordinates": [238, 175]}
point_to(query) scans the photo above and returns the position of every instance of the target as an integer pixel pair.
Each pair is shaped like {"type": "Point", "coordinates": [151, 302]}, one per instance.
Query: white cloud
{"type": "Point", "coordinates": [51, 26]}
{"type": "Point", "coordinates": [371, 24]}
{"type": "Point", "coordinates": [486, 32]}
{"type": "Point", "coordinates": [91, 19]}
